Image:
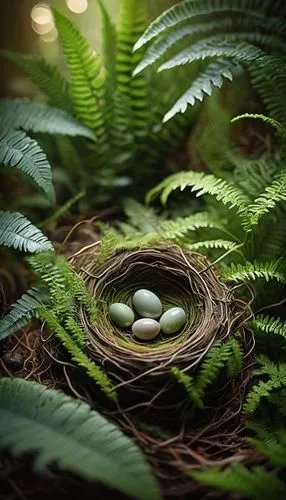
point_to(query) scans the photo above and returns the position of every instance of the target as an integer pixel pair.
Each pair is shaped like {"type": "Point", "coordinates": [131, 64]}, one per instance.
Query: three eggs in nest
{"type": "Point", "coordinates": [148, 305]}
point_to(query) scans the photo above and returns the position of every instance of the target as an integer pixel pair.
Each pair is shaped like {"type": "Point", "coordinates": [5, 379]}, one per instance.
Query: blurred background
{"type": "Point", "coordinates": [27, 26]}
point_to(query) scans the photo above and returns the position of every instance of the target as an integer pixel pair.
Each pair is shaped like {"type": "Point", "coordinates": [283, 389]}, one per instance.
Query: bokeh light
{"type": "Point", "coordinates": [77, 6]}
{"type": "Point", "coordinates": [43, 23]}
{"type": "Point", "coordinates": [41, 14]}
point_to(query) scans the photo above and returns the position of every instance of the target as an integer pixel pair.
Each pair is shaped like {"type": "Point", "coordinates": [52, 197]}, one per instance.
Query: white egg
{"type": "Point", "coordinates": [121, 314]}
{"type": "Point", "coordinates": [146, 328]}
{"type": "Point", "coordinates": [147, 304]}
{"type": "Point", "coordinates": [173, 320]}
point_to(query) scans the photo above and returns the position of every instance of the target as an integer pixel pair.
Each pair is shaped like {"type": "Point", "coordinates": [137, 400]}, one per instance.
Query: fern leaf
{"type": "Point", "coordinates": [213, 76]}
{"type": "Point", "coordinates": [87, 84]}
{"type": "Point", "coordinates": [22, 311]}
{"type": "Point", "coordinates": [188, 383]}
{"type": "Point", "coordinates": [140, 217]}
{"type": "Point", "coordinates": [109, 41]}
{"type": "Point", "coordinates": [267, 324]}
{"type": "Point", "coordinates": [227, 193]}
{"type": "Point", "coordinates": [265, 119]}
{"type": "Point", "coordinates": [39, 118]}
{"type": "Point", "coordinates": [209, 244]}
{"type": "Point", "coordinates": [19, 151]}
{"type": "Point", "coordinates": [176, 228]}
{"type": "Point", "coordinates": [132, 22]}
{"type": "Point", "coordinates": [60, 429]}
{"type": "Point", "coordinates": [267, 201]}
{"type": "Point", "coordinates": [239, 273]}
{"type": "Point", "coordinates": [45, 76]}
{"type": "Point", "coordinates": [18, 232]}
{"type": "Point", "coordinates": [255, 483]}
{"type": "Point", "coordinates": [77, 355]}
{"type": "Point", "coordinates": [270, 444]}
{"type": "Point", "coordinates": [192, 8]}
{"type": "Point", "coordinates": [277, 379]}
{"type": "Point", "coordinates": [222, 46]}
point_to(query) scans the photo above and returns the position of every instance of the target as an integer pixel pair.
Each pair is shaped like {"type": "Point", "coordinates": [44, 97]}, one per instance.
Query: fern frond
{"type": "Point", "coordinates": [39, 118]}
{"type": "Point", "coordinates": [160, 46]}
{"type": "Point", "coordinates": [192, 8]}
{"type": "Point", "coordinates": [87, 84]}
{"type": "Point", "coordinates": [45, 76]}
{"type": "Point", "coordinates": [141, 217]}
{"type": "Point", "coordinates": [20, 151]}
{"type": "Point", "coordinates": [265, 119]}
{"type": "Point", "coordinates": [222, 354]}
{"type": "Point", "coordinates": [132, 23]}
{"type": "Point", "coordinates": [277, 379]}
{"type": "Point", "coordinates": [213, 76]}
{"type": "Point", "coordinates": [109, 42]}
{"type": "Point", "coordinates": [255, 483]}
{"type": "Point", "coordinates": [210, 244]}
{"type": "Point", "coordinates": [227, 193]}
{"type": "Point", "coordinates": [222, 46]}
{"type": "Point", "coordinates": [273, 194]}
{"type": "Point", "coordinates": [268, 324]}
{"type": "Point", "coordinates": [22, 311]}
{"type": "Point", "coordinates": [61, 430]}
{"type": "Point", "coordinates": [240, 273]}
{"type": "Point", "coordinates": [18, 232]}
{"type": "Point", "coordinates": [77, 355]}
{"type": "Point", "coordinates": [270, 444]}
{"type": "Point", "coordinates": [176, 228]}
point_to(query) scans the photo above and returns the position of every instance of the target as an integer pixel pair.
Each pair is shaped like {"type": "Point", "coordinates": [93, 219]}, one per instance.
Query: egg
{"type": "Point", "coordinates": [147, 304]}
{"type": "Point", "coordinates": [121, 314]}
{"type": "Point", "coordinates": [172, 320]}
{"type": "Point", "coordinates": [146, 328]}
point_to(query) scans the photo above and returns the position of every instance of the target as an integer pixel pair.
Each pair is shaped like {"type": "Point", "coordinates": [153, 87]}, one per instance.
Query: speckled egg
{"type": "Point", "coordinates": [147, 304]}
{"type": "Point", "coordinates": [121, 314]}
{"type": "Point", "coordinates": [173, 320]}
{"type": "Point", "coordinates": [146, 328]}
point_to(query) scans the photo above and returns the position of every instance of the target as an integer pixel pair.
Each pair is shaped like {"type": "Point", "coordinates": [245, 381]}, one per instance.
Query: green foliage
{"type": "Point", "coordinates": [59, 429]}
{"type": "Point", "coordinates": [22, 311]}
{"type": "Point", "coordinates": [239, 273]}
{"type": "Point", "coordinates": [18, 232]}
{"type": "Point", "coordinates": [39, 118]}
{"type": "Point", "coordinates": [45, 76]}
{"type": "Point", "coordinates": [255, 483]}
{"type": "Point", "coordinates": [226, 354]}
{"type": "Point", "coordinates": [276, 378]}
{"type": "Point", "coordinates": [265, 119]}
{"type": "Point", "coordinates": [20, 151]}
{"type": "Point", "coordinates": [232, 30]}
{"type": "Point", "coordinates": [227, 193]}
{"type": "Point", "coordinates": [67, 292]}
{"type": "Point", "coordinates": [177, 228]}
{"type": "Point", "coordinates": [87, 87]}
{"type": "Point", "coordinates": [268, 324]}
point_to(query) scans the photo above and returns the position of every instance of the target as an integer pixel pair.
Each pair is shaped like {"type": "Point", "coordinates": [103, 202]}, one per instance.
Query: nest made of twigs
{"type": "Point", "coordinates": [140, 370]}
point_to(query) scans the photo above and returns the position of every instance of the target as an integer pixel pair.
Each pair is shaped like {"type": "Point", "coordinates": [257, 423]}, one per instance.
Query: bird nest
{"type": "Point", "coordinates": [141, 370]}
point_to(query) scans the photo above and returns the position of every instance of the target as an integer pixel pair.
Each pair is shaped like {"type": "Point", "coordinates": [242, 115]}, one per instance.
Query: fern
{"type": "Point", "coordinates": [39, 118]}
{"type": "Point", "coordinates": [58, 429]}
{"type": "Point", "coordinates": [273, 194]}
{"type": "Point", "coordinates": [270, 444]}
{"type": "Point", "coordinates": [212, 76]}
{"type": "Point", "coordinates": [18, 232]}
{"type": "Point", "coordinates": [227, 193]}
{"type": "Point", "coordinates": [177, 228]}
{"type": "Point", "coordinates": [141, 217]}
{"type": "Point", "coordinates": [222, 354]}
{"type": "Point", "coordinates": [266, 119]}
{"type": "Point", "coordinates": [18, 150]}
{"type": "Point", "coordinates": [132, 22]}
{"type": "Point", "coordinates": [45, 76]}
{"type": "Point", "coordinates": [85, 71]}
{"type": "Point", "coordinates": [210, 244]}
{"type": "Point", "coordinates": [255, 483]}
{"type": "Point", "coordinates": [109, 40]}
{"type": "Point", "coordinates": [77, 355]}
{"type": "Point", "coordinates": [267, 324]}
{"type": "Point", "coordinates": [191, 8]}
{"type": "Point", "coordinates": [22, 311]}
{"type": "Point", "coordinates": [239, 273]}
{"type": "Point", "coordinates": [276, 379]}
